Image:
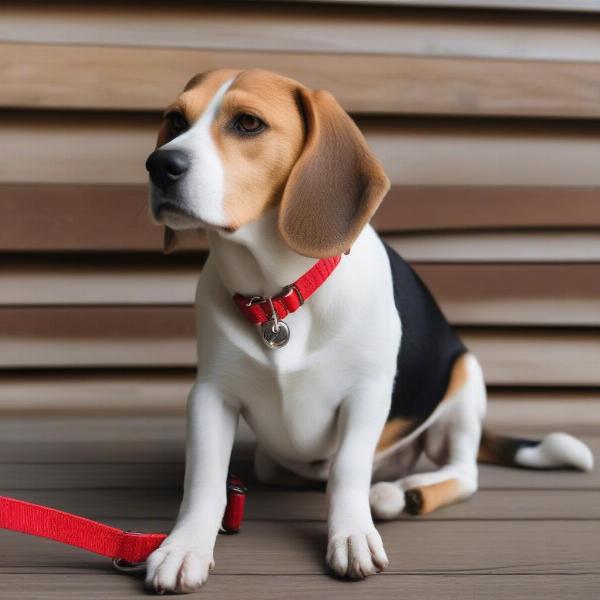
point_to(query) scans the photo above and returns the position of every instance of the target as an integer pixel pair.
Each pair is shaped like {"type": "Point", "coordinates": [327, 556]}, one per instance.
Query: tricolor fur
{"type": "Point", "coordinates": [373, 374]}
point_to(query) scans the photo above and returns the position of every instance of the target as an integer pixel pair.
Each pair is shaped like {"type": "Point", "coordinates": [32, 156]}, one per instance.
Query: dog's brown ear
{"type": "Point", "coordinates": [169, 240]}
{"type": "Point", "coordinates": [336, 184]}
{"type": "Point", "coordinates": [188, 239]}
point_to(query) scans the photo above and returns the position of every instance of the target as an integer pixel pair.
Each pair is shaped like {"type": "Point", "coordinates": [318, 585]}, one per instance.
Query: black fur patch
{"type": "Point", "coordinates": [428, 349]}
{"type": "Point", "coordinates": [413, 500]}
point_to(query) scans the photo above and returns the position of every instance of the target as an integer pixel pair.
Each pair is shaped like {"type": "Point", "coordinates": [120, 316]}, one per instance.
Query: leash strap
{"type": "Point", "coordinates": [258, 309]}
{"type": "Point", "coordinates": [128, 546]}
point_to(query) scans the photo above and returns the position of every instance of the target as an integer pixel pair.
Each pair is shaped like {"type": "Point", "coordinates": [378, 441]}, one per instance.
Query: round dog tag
{"type": "Point", "coordinates": [275, 334]}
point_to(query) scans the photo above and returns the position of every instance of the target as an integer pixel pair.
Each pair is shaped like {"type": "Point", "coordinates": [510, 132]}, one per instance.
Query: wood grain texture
{"type": "Point", "coordinates": [74, 392]}
{"type": "Point", "coordinates": [469, 294]}
{"type": "Point", "coordinates": [297, 548]}
{"type": "Point", "coordinates": [130, 392]}
{"type": "Point", "coordinates": [115, 217]}
{"type": "Point", "coordinates": [99, 77]}
{"type": "Point", "coordinates": [164, 337]}
{"type": "Point", "coordinates": [539, 5]}
{"type": "Point", "coordinates": [43, 585]}
{"type": "Point", "coordinates": [52, 434]}
{"type": "Point", "coordinates": [499, 247]}
{"type": "Point", "coordinates": [105, 148]}
{"type": "Point", "coordinates": [163, 476]}
{"type": "Point", "coordinates": [366, 28]}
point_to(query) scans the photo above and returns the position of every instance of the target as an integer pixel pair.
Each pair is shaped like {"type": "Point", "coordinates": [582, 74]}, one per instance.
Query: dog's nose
{"type": "Point", "coordinates": [166, 167]}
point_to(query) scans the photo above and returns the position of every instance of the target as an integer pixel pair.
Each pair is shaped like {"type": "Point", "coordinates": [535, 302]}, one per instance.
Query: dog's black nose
{"type": "Point", "coordinates": [166, 167]}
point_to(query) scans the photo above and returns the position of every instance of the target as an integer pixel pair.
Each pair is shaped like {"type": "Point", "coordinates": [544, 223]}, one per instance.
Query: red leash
{"type": "Point", "coordinates": [124, 547]}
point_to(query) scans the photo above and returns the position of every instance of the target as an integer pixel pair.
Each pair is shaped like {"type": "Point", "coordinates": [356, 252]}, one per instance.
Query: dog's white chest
{"type": "Point", "coordinates": [294, 414]}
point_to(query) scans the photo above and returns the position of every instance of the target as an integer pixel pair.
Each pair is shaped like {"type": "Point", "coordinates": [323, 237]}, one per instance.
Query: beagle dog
{"type": "Point", "coordinates": [311, 327]}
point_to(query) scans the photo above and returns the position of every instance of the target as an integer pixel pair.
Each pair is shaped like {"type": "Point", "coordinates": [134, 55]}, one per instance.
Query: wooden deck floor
{"type": "Point", "coordinates": [524, 535]}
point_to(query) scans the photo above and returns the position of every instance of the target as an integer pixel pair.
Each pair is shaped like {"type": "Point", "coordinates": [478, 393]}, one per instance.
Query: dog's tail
{"type": "Point", "coordinates": [554, 451]}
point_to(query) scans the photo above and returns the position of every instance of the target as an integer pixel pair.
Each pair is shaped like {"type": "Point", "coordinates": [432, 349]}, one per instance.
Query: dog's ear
{"type": "Point", "coordinates": [336, 184]}
{"type": "Point", "coordinates": [169, 240]}
{"type": "Point", "coordinates": [187, 239]}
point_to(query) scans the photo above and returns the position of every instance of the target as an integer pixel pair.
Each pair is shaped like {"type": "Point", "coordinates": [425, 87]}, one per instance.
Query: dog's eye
{"type": "Point", "coordinates": [177, 123]}
{"type": "Point", "coordinates": [248, 124]}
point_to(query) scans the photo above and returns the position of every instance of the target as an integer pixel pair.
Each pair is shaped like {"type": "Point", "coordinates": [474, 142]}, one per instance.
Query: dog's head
{"type": "Point", "coordinates": [237, 143]}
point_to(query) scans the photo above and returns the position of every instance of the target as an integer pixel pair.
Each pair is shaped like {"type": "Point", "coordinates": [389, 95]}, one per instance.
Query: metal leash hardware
{"type": "Point", "coordinates": [231, 523]}
{"type": "Point", "coordinates": [275, 332]}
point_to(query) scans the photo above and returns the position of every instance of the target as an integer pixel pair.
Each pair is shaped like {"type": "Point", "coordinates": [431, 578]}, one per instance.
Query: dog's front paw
{"type": "Point", "coordinates": [357, 554]}
{"type": "Point", "coordinates": [177, 569]}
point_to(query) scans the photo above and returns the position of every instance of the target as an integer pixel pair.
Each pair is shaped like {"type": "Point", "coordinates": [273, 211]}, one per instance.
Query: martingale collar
{"type": "Point", "coordinates": [269, 312]}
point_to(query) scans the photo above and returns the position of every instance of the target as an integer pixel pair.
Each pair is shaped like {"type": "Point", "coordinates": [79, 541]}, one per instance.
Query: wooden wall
{"type": "Point", "coordinates": [486, 117]}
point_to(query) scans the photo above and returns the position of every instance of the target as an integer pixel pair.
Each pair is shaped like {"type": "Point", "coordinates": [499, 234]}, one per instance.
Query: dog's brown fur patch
{"type": "Point", "coordinates": [257, 167]}
{"type": "Point", "coordinates": [394, 430]}
{"type": "Point", "coordinates": [458, 376]}
{"type": "Point", "coordinates": [424, 500]}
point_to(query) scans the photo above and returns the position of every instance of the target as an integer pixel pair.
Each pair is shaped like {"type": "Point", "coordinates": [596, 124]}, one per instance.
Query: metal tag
{"type": "Point", "coordinates": [275, 334]}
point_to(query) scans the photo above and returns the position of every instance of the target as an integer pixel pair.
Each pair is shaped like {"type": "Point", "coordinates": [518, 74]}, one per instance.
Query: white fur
{"type": "Point", "coordinates": [200, 192]}
{"type": "Point", "coordinates": [556, 450]}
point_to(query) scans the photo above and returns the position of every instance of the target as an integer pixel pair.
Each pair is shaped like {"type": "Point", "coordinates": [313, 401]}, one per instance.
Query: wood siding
{"type": "Point", "coordinates": [486, 116]}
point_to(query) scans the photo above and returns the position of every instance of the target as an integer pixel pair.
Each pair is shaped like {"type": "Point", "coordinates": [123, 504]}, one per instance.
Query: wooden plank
{"type": "Point", "coordinates": [55, 435]}
{"type": "Point", "coordinates": [99, 336]}
{"type": "Point", "coordinates": [537, 5]}
{"type": "Point", "coordinates": [104, 148]}
{"type": "Point", "coordinates": [509, 246]}
{"type": "Point", "coordinates": [99, 77]}
{"type": "Point", "coordinates": [132, 336]}
{"type": "Point", "coordinates": [469, 294]}
{"type": "Point", "coordinates": [169, 475]}
{"type": "Point", "coordinates": [45, 585]}
{"type": "Point", "coordinates": [501, 294]}
{"type": "Point", "coordinates": [269, 503]}
{"type": "Point", "coordinates": [126, 451]}
{"type": "Point", "coordinates": [80, 392]}
{"type": "Point", "coordinates": [297, 548]}
{"type": "Point", "coordinates": [82, 217]}
{"type": "Point", "coordinates": [282, 27]}
{"type": "Point", "coordinates": [95, 392]}
{"type": "Point", "coordinates": [114, 217]}
{"type": "Point", "coordinates": [427, 208]}
{"type": "Point", "coordinates": [540, 5]}
{"type": "Point", "coordinates": [530, 357]}
{"type": "Point", "coordinates": [533, 412]}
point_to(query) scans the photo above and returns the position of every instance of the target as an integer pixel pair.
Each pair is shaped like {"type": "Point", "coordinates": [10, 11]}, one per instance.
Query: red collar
{"type": "Point", "coordinates": [260, 310]}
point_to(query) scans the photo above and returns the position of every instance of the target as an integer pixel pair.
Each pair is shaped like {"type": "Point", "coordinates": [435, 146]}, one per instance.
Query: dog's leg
{"type": "Point", "coordinates": [355, 548]}
{"type": "Point", "coordinates": [182, 562]}
{"type": "Point", "coordinates": [452, 442]}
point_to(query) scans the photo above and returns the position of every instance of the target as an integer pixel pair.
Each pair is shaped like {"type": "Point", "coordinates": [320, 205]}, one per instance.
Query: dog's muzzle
{"type": "Point", "coordinates": [166, 167]}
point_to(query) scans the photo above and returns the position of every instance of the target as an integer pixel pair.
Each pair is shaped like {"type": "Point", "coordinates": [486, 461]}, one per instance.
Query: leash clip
{"type": "Point", "coordinates": [123, 566]}
{"type": "Point", "coordinates": [254, 300]}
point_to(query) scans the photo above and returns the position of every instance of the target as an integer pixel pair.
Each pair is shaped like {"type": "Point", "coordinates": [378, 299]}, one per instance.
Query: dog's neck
{"type": "Point", "coordinates": [254, 260]}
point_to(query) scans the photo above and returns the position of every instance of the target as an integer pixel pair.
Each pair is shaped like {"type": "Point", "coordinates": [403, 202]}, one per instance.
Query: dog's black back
{"type": "Point", "coordinates": [428, 348]}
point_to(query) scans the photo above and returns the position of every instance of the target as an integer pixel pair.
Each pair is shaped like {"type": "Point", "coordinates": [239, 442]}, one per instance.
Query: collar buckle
{"type": "Point", "coordinates": [293, 288]}
{"type": "Point", "coordinates": [254, 300]}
